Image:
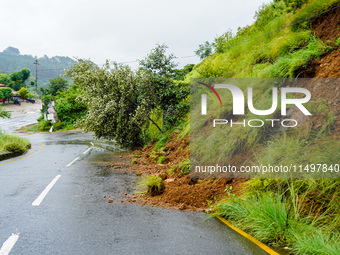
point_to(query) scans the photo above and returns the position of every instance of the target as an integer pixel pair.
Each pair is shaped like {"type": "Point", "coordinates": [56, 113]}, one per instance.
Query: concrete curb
{"type": "Point", "coordinates": [12, 154]}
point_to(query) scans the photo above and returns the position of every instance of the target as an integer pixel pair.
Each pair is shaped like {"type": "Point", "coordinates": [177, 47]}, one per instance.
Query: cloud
{"type": "Point", "coordinates": [118, 30]}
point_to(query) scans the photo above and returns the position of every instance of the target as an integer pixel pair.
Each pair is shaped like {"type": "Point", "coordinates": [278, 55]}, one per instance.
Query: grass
{"type": "Point", "coordinates": [150, 184]}
{"type": "Point", "coordinates": [302, 214]}
{"type": "Point", "coordinates": [183, 166]}
{"type": "Point", "coordinates": [11, 143]}
{"type": "Point", "coordinates": [281, 218]}
{"type": "Point", "coordinates": [45, 126]}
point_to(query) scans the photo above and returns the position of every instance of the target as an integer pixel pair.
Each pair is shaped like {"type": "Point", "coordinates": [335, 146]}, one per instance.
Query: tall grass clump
{"type": "Point", "coordinates": [152, 185]}
{"type": "Point", "coordinates": [282, 217]}
{"type": "Point", "coordinates": [11, 143]}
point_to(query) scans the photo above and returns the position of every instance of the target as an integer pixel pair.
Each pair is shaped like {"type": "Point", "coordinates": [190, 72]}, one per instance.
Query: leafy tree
{"type": "Point", "coordinates": [23, 92]}
{"type": "Point", "coordinates": [7, 93]}
{"type": "Point", "coordinates": [204, 50]}
{"type": "Point", "coordinates": [4, 79]}
{"type": "Point", "coordinates": [179, 74]}
{"type": "Point", "coordinates": [18, 78]}
{"type": "Point", "coordinates": [221, 42]}
{"type": "Point", "coordinates": [118, 101]}
{"type": "Point", "coordinates": [3, 113]}
{"type": "Point", "coordinates": [160, 67]}
{"type": "Point", "coordinates": [25, 74]}
{"type": "Point", "coordinates": [68, 109]}
{"type": "Point", "coordinates": [55, 85]}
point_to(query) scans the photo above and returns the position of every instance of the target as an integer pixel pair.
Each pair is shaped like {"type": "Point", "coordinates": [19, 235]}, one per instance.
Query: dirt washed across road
{"type": "Point", "coordinates": [63, 197]}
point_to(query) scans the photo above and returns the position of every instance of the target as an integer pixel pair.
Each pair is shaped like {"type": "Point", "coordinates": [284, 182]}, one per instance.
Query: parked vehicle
{"type": "Point", "coordinates": [16, 101]}
{"type": "Point", "coordinates": [31, 100]}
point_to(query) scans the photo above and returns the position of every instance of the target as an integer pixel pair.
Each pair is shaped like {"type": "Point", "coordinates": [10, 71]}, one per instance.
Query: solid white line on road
{"type": "Point", "coordinates": [46, 190]}
{"type": "Point", "coordinates": [87, 150]}
{"type": "Point", "coordinates": [69, 164]}
{"type": "Point", "coordinates": [8, 245]}
{"type": "Point", "coordinates": [92, 143]}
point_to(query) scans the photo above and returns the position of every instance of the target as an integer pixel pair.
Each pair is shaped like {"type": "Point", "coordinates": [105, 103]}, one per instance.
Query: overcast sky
{"type": "Point", "coordinates": [119, 30]}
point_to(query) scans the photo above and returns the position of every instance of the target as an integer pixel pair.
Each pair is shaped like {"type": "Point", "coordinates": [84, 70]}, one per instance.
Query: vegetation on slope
{"type": "Point", "coordinates": [302, 214]}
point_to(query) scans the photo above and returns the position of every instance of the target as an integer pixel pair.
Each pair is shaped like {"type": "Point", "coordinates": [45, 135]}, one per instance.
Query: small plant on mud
{"type": "Point", "coordinates": [183, 166]}
{"type": "Point", "coordinates": [152, 185]}
{"type": "Point", "coordinates": [161, 159]}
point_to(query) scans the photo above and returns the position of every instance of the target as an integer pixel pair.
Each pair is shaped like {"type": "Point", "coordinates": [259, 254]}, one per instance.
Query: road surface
{"type": "Point", "coordinates": [53, 203]}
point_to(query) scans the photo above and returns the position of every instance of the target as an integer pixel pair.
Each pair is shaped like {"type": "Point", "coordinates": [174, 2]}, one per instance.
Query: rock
{"type": "Point", "coordinates": [104, 196]}
{"type": "Point", "coordinates": [167, 181]}
{"type": "Point", "coordinates": [110, 200]}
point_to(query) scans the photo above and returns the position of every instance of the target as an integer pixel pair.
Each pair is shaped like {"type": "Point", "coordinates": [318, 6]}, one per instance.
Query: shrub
{"type": "Point", "coordinates": [9, 143]}
{"type": "Point", "coordinates": [161, 159]}
{"type": "Point", "coordinates": [152, 185]}
{"type": "Point", "coordinates": [44, 125]}
{"type": "Point", "coordinates": [58, 126]}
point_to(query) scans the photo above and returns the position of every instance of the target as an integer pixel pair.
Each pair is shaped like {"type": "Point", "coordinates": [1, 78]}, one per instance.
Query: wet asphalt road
{"type": "Point", "coordinates": [70, 220]}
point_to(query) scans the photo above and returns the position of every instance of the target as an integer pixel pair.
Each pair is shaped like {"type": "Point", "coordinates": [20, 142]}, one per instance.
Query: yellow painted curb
{"type": "Point", "coordinates": [23, 157]}
{"type": "Point", "coordinates": [255, 241]}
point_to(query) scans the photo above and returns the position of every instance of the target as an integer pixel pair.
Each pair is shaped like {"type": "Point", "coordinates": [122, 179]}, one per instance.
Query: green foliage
{"type": "Point", "coordinates": [18, 79]}
{"type": "Point", "coordinates": [69, 110]}
{"type": "Point", "coordinates": [268, 12]}
{"type": "Point", "coordinates": [54, 86]}
{"type": "Point", "coordinates": [44, 125]}
{"type": "Point", "coordinates": [204, 50]}
{"type": "Point", "coordinates": [223, 41]}
{"type": "Point", "coordinates": [7, 92]}
{"type": "Point", "coordinates": [183, 166]}
{"type": "Point", "coordinates": [294, 150]}
{"type": "Point", "coordinates": [338, 41]}
{"type": "Point", "coordinates": [10, 143]}
{"type": "Point", "coordinates": [4, 114]}
{"type": "Point", "coordinates": [161, 159]}
{"type": "Point", "coordinates": [179, 74]}
{"type": "Point", "coordinates": [118, 101]}
{"type": "Point", "coordinates": [152, 185]}
{"type": "Point", "coordinates": [280, 219]}
{"type": "Point", "coordinates": [4, 79]}
{"type": "Point", "coordinates": [23, 92]}
{"type": "Point", "coordinates": [168, 94]}
{"type": "Point", "coordinates": [312, 8]}
{"type": "Point", "coordinates": [58, 126]}
{"type": "Point", "coordinates": [10, 62]}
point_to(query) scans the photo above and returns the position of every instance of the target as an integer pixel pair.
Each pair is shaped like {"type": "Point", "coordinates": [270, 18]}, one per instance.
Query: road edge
{"type": "Point", "coordinates": [42, 146]}
{"type": "Point", "coordinates": [249, 237]}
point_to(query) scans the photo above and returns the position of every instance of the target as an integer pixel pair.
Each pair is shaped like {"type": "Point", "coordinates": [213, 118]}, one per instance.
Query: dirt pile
{"type": "Point", "coordinates": [327, 28]}
{"type": "Point", "coordinates": [181, 192]}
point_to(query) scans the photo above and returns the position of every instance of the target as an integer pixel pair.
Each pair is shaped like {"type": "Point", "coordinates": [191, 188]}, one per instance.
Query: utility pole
{"type": "Point", "coordinates": [36, 75]}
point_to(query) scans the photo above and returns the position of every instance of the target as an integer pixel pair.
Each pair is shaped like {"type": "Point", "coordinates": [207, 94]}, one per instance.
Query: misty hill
{"type": "Point", "coordinates": [11, 60]}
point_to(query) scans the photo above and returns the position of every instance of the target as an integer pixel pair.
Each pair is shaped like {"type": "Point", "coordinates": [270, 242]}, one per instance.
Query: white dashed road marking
{"type": "Point", "coordinates": [69, 164]}
{"type": "Point", "coordinates": [8, 245]}
{"type": "Point", "coordinates": [46, 190]}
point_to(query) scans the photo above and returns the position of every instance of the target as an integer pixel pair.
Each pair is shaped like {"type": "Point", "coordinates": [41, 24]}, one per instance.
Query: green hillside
{"type": "Point", "coordinates": [289, 39]}
{"type": "Point", "coordinates": [11, 60]}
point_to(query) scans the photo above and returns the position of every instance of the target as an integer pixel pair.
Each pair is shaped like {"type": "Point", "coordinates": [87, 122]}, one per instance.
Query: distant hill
{"type": "Point", "coordinates": [11, 60]}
